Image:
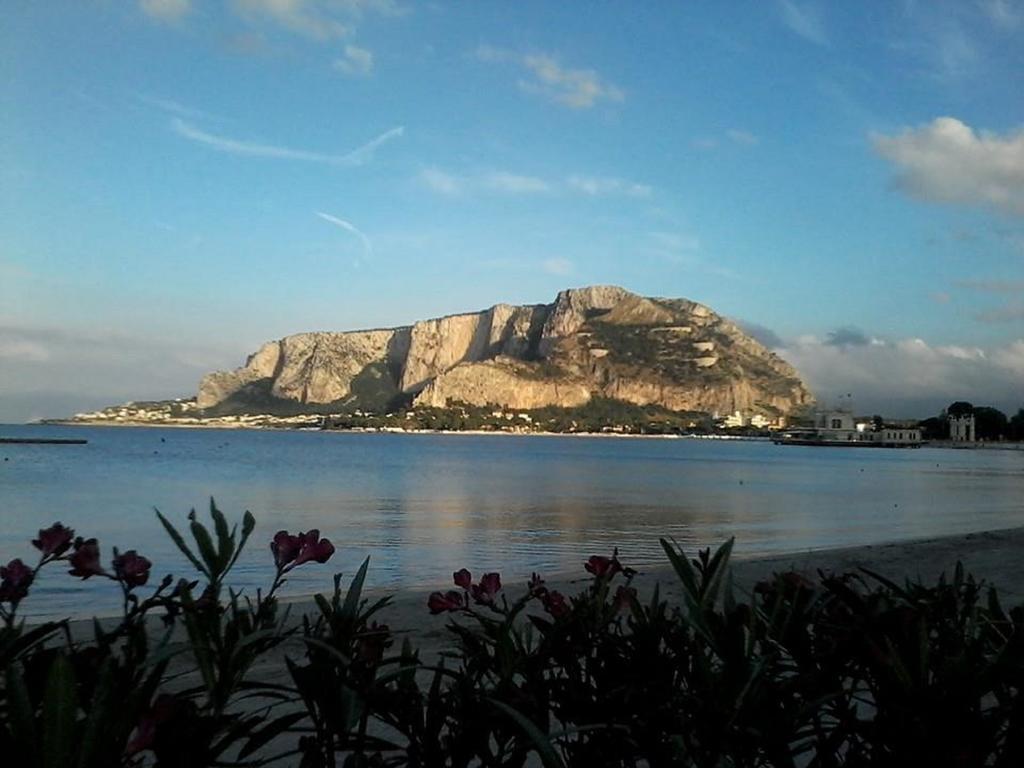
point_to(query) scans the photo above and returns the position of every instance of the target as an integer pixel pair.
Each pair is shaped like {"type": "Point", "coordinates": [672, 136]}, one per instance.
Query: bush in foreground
{"type": "Point", "coordinates": [844, 670]}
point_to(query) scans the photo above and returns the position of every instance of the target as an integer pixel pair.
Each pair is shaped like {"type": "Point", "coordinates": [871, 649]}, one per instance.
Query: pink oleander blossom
{"type": "Point", "coordinates": [292, 551]}
{"type": "Point", "coordinates": [555, 603]}
{"type": "Point", "coordinates": [462, 578]}
{"type": "Point", "coordinates": [85, 560]}
{"type": "Point", "coordinates": [488, 588]}
{"type": "Point", "coordinates": [312, 547]}
{"type": "Point", "coordinates": [54, 541]}
{"type": "Point", "coordinates": [441, 602]}
{"type": "Point", "coordinates": [600, 566]}
{"type": "Point", "coordinates": [15, 579]}
{"type": "Point", "coordinates": [132, 569]}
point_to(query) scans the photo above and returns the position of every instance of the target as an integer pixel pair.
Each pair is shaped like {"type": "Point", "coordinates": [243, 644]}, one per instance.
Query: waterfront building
{"type": "Point", "coordinates": [961, 428]}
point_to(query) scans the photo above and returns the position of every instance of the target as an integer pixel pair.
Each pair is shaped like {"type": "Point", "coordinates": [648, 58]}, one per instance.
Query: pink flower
{"type": "Point", "coordinates": [292, 551]}
{"type": "Point", "coordinates": [555, 603]}
{"type": "Point", "coordinates": [55, 540]}
{"type": "Point", "coordinates": [485, 591]}
{"type": "Point", "coordinates": [15, 579]}
{"type": "Point", "coordinates": [132, 568]}
{"type": "Point", "coordinates": [312, 547]}
{"type": "Point", "coordinates": [85, 560]}
{"type": "Point", "coordinates": [603, 566]}
{"type": "Point", "coordinates": [440, 602]}
{"type": "Point", "coordinates": [462, 578]}
{"type": "Point", "coordinates": [285, 548]}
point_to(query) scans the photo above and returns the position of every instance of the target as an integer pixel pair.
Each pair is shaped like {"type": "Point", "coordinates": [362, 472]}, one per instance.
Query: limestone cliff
{"type": "Point", "coordinates": [593, 341]}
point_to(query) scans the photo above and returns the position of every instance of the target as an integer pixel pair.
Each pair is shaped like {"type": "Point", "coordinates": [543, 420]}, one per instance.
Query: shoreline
{"type": "Point", "coordinates": [995, 556]}
{"type": "Point", "coordinates": [941, 444]}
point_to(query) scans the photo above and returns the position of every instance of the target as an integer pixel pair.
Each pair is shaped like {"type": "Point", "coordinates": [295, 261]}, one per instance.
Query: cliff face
{"type": "Point", "coordinates": [599, 340]}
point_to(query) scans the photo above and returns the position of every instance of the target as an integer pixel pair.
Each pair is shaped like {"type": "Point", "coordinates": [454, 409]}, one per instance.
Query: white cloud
{"type": "Point", "coordinates": [805, 20]}
{"type": "Point", "coordinates": [355, 61]}
{"type": "Point", "coordinates": [348, 227]}
{"type": "Point", "coordinates": [302, 17]}
{"type": "Point", "coordinates": [55, 372]}
{"type": "Point", "coordinates": [560, 267]}
{"type": "Point", "coordinates": [946, 161]}
{"type": "Point", "coordinates": [575, 88]}
{"type": "Point", "coordinates": [358, 156]}
{"type": "Point", "coordinates": [1002, 13]}
{"type": "Point", "coordinates": [909, 377]}
{"type": "Point", "coordinates": [166, 10]}
{"type": "Point", "coordinates": [440, 181]}
{"type": "Point", "coordinates": [674, 242]}
{"type": "Point", "coordinates": [507, 182]}
{"type": "Point", "coordinates": [742, 137]}
{"type": "Point", "coordinates": [23, 351]}
{"type": "Point", "coordinates": [607, 185]}
{"type": "Point", "coordinates": [515, 183]}
{"type": "Point", "coordinates": [732, 135]}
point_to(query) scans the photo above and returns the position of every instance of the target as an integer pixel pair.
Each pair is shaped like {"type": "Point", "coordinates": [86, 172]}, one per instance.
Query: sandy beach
{"type": "Point", "coordinates": [995, 556]}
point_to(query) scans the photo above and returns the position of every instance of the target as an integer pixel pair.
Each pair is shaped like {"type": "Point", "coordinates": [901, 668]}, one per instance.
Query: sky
{"type": "Point", "coordinates": [183, 180]}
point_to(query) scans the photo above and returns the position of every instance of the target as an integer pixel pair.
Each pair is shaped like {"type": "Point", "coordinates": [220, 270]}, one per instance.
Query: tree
{"type": "Point", "coordinates": [960, 408]}
{"type": "Point", "coordinates": [990, 423]}
{"type": "Point", "coordinates": [1016, 431]}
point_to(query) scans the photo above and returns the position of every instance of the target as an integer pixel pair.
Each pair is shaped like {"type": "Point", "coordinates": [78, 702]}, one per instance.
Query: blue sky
{"type": "Point", "coordinates": [181, 180]}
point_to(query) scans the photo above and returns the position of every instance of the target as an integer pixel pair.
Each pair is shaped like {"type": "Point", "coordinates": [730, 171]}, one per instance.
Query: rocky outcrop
{"type": "Point", "coordinates": [593, 341]}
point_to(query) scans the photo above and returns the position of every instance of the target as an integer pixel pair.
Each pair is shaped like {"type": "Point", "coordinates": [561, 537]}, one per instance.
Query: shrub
{"type": "Point", "coordinates": [842, 670]}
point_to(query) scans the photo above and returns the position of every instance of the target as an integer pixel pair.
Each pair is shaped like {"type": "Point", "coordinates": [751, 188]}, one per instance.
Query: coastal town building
{"type": "Point", "coordinates": [961, 428]}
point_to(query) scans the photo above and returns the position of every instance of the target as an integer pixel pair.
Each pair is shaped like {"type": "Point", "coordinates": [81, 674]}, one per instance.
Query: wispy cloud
{"type": "Point", "coordinates": [355, 61]}
{"type": "Point", "coordinates": [575, 88]}
{"type": "Point", "coordinates": [946, 161]}
{"type": "Point", "coordinates": [598, 186]}
{"type": "Point", "coordinates": [172, 107]}
{"type": "Point", "coordinates": [559, 267]}
{"type": "Point", "coordinates": [440, 181]}
{"type": "Point", "coordinates": [348, 227]}
{"type": "Point", "coordinates": [992, 286]}
{"type": "Point", "coordinates": [1008, 314]}
{"type": "Point", "coordinates": [735, 136]}
{"type": "Point", "coordinates": [166, 10]}
{"type": "Point", "coordinates": [447, 183]}
{"type": "Point", "coordinates": [358, 156]}
{"type": "Point", "coordinates": [804, 19]}
{"type": "Point", "coordinates": [1003, 13]}
{"type": "Point", "coordinates": [301, 17]}
{"type": "Point", "coordinates": [515, 183]}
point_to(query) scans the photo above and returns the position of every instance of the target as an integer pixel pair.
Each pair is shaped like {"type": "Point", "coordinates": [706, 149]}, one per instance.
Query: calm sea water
{"type": "Point", "coordinates": [425, 505]}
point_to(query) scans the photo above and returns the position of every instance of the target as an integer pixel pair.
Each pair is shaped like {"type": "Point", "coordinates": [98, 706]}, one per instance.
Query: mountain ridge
{"type": "Point", "coordinates": [595, 341]}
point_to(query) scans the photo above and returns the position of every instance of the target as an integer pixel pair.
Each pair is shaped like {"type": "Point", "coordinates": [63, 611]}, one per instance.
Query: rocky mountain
{"type": "Point", "coordinates": [599, 341]}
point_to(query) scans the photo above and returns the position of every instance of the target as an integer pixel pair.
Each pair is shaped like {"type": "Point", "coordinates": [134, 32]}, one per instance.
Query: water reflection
{"type": "Point", "coordinates": [425, 505]}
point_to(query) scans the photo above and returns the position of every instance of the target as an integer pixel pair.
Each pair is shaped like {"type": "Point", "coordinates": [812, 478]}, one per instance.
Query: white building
{"type": "Point", "coordinates": [896, 436]}
{"type": "Point", "coordinates": [961, 429]}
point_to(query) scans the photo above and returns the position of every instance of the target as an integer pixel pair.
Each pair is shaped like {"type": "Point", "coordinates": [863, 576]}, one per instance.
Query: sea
{"type": "Point", "coordinates": [423, 505]}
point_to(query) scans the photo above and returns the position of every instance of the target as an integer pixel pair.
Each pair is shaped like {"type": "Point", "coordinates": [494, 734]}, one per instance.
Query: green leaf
{"type": "Point", "coordinates": [225, 546]}
{"type": "Point", "coordinates": [60, 710]}
{"type": "Point", "coordinates": [100, 715]}
{"type": "Point", "coordinates": [248, 524]}
{"type": "Point", "coordinates": [716, 570]}
{"type": "Point", "coordinates": [20, 713]}
{"type": "Point", "coordinates": [269, 732]}
{"type": "Point", "coordinates": [682, 567]}
{"type": "Point", "coordinates": [548, 756]}
{"type": "Point", "coordinates": [180, 542]}
{"type": "Point", "coordinates": [355, 591]}
{"type": "Point", "coordinates": [205, 544]}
